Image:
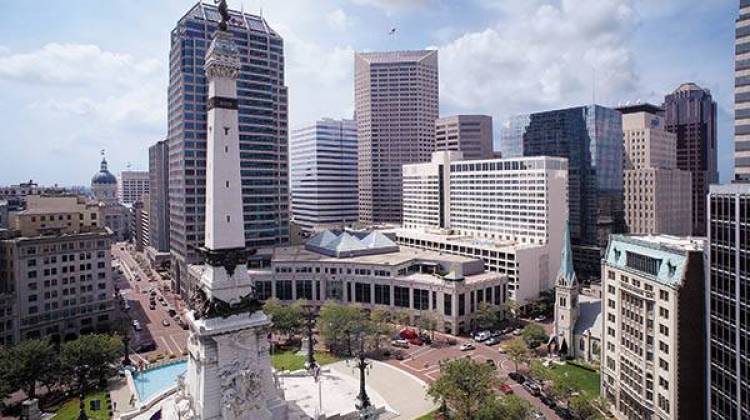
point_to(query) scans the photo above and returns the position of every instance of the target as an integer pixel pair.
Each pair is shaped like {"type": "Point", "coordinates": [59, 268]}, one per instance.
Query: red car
{"type": "Point", "coordinates": [415, 341]}
{"type": "Point", "coordinates": [505, 389]}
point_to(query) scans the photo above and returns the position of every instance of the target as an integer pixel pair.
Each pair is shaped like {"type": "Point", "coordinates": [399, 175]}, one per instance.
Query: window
{"type": "Point", "coordinates": [304, 289]}
{"type": "Point", "coordinates": [421, 299]}
{"type": "Point", "coordinates": [664, 329]}
{"type": "Point", "coordinates": [263, 289]}
{"type": "Point", "coordinates": [382, 294]}
{"type": "Point", "coordinates": [664, 347]}
{"type": "Point", "coordinates": [284, 289]}
{"type": "Point", "coordinates": [401, 296]}
{"type": "Point", "coordinates": [462, 304]}
{"type": "Point", "coordinates": [362, 292]}
{"type": "Point", "coordinates": [663, 312]}
{"type": "Point", "coordinates": [447, 304]}
{"type": "Point", "coordinates": [643, 263]}
{"type": "Point", "coordinates": [663, 364]}
{"type": "Point", "coordinates": [664, 295]}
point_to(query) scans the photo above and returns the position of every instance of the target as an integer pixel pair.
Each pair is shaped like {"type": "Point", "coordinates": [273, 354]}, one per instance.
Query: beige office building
{"type": "Point", "coordinates": [396, 105]}
{"type": "Point", "coordinates": [469, 134]}
{"type": "Point", "coordinates": [56, 268]}
{"type": "Point", "coordinates": [653, 351]}
{"type": "Point", "coordinates": [657, 195]}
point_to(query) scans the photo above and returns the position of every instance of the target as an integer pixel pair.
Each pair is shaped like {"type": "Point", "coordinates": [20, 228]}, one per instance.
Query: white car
{"type": "Point", "coordinates": [466, 347]}
{"type": "Point", "coordinates": [517, 331]}
{"type": "Point", "coordinates": [482, 335]}
{"type": "Point", "coordinates": [540, 318]}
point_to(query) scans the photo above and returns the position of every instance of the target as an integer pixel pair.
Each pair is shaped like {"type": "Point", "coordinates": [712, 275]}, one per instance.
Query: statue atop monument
{"type": "Point", "coordinates": [224, 12]}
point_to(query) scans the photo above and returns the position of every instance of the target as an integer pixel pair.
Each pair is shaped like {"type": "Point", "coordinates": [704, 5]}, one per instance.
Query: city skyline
{"type": "Point", "coordinates": [82, 89]}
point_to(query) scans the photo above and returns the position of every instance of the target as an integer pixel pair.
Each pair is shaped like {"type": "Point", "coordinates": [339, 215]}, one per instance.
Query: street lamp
{"type": "Point", "coordinates": [82, 392]}
{"type": "Point", "coordinates": [363, 405]}
{"type": "Point", "coordinates": [310, 363]}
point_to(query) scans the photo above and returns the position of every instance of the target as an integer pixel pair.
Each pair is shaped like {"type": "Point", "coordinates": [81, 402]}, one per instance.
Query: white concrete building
{"type": "Point", "coordinates": [509, 212]}
{"type": "Point", "coordinates": [323, 172]}
{"type": "Point", "coordinates": [369, 269]}
{"type": "Point", "coordinates": [653, 355]}
{"type": "Point", "coordinates": [131, 186]}
{"type": "Point", "coordinates": [658, 196]}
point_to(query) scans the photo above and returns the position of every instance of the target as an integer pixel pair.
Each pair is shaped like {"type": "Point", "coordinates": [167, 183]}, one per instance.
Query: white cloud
{"type": "Point", "coordinates": [74, 64]}
{"type": "Point", "coordinates": [394, 5]}
{"type": "Point", "coordinates": [541, 54]}
{"type": "Point", "coordinates": [337, 19]}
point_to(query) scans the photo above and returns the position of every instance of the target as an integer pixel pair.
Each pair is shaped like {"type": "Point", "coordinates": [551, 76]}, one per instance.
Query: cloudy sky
{"type": "Point", "coordinates": [77, 76]}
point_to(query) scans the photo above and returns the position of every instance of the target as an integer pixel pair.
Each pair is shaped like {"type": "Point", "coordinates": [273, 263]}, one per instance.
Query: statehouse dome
{"type": "Point", "coordinates": [103, 176]}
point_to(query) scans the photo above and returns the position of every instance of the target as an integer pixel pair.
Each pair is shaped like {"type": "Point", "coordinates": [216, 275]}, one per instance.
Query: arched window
{"type": "Point", "coordinates": [582, 344]}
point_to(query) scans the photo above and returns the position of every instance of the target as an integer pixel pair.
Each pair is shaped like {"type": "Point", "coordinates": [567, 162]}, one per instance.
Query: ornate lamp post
{"type": "Point", "coordinates": [363, 405]}
{"type": "Point", "coordinates": [82, 392]}
{"type": "Point", "coordinates": [310, 363]}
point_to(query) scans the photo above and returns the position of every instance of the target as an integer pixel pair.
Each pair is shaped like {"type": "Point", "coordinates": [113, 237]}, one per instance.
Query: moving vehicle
{"type": "Point", "coordinates": [165, 322]}
{"type": "Point", "coordinates": [466, 347]}
{"type": "Point", "coordinates": [505, 389]}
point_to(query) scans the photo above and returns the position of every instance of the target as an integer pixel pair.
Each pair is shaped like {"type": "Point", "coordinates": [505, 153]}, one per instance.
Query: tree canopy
{"type": "Point", "coordinates": [286, 319]}
{"type": "Point", "coordinates": [26, 363]}
{"type": "Point", "coordinates": [534, 335]}
{"type": "Point", "coordinates": [506, 407]}
{"type": "Point", "coordinates": [487, 316]}
{"type": "Point", "coordinates": [465, 385]}
{"type": "Point", "coordinates": [517, 351]}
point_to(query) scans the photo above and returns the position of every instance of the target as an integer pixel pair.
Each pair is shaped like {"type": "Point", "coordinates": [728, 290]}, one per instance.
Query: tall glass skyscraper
{"type": "Point", "coordinates": [591, 138]}
{"type": "Point", "coordinates": [262, 105]}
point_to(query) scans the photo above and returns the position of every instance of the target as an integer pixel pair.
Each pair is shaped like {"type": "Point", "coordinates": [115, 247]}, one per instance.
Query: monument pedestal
{"type": "Point", "coordinates": [229, 371]}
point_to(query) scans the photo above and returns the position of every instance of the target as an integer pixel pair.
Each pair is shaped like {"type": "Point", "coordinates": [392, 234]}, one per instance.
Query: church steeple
{"type": "Point", "coordinates": [566, 276]}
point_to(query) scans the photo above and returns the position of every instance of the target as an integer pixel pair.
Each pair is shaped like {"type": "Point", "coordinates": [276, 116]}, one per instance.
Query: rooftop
{"type": "Point", "coordinates": [344, 244]}
{"type": "Point", "coordinates": [589, 316]}
{"type": "Point", "coordinates": [644, 107]}
{"type": "Point", "coordinates": [467, 240]}
{"type": "Point", "coordinates": [396, 56]}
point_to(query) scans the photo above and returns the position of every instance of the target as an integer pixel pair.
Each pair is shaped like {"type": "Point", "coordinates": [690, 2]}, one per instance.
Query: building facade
{"type": "Point", "coordinates": [158, 169]}
{"type": "Point", "coordinates": [728, 302]}
{"type": "Point", "coordinates": [370, 270]}
{"type": "Point", "coordinates": [690, 113]}
{"type": "Point", "coordinates": [132, 185]}
{"type": "Point", "coordinates": [742, 93]}
{"type": "Point", "coordinates": [469, 134]}
{"type": "Point", "coordinates": [323, 165]}
{"type": "Point", "coordinates": [104, 190]}
{"type": "Point", "coordinates": [658, 196]}
{"type": "Point", "coordinates": [396, 105]}
{"type": "Point", "coordinates": [653, 355]}
{"type": "Point", "coordinates": [591, 138]}
{"type": "Point", "coordinates": [507, 211]}
{"type": "Point", "coordinates": [57, 266]}
{"type": "Point", "coordinates": [262, 111]}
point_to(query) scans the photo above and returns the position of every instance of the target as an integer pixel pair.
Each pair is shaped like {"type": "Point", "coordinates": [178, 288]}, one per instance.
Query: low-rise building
{"type": "Point", "coordinates": [373, 271]}
{"type": "Point", "coordinates": [56, 265]}
{"type": "Point", "coordinates": [653, 351]}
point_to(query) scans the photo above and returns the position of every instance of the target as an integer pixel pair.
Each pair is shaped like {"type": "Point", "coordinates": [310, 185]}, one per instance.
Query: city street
{"type": "Point", "coordinates": [169, 339]}
{"type": "Point", "coordinates": [423, 362]}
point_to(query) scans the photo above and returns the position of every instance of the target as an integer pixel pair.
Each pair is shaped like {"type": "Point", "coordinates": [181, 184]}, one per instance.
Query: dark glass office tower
{"type": "Point", "coordinates": [728, 302]}
{"type": "Point", "coordinates": [690, 113]}
{"type": "Point", "coordinates": [262, 103]}
{"type": "Point", "coordinates": [591, 138]}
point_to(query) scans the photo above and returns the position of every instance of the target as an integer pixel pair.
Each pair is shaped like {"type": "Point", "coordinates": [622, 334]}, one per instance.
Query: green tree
{"type": "Point", "coordinates": [428, 321]}
{"type": "Point", "coordinates": [380, 315]}
{"type": "Point", "coordinates": [563, 387]}
{"type": "Point", "coordinates": [583, 406]}
{"type": "Point", "coordinates": [340, 324]}
{"type": "Point", "coordinates": [507, 407]}
{"type": "Point", "coordinates": [465, 385]}
{"type": "Point", "coordinates": [24, 364]}
{"type": "Point", "coordinates": [487, 316]}
{"type": "Point", "coordinates": [534, 335]}
{"type": "Point", "coordinates": [517, 351]}
{"type": "Point", "coordinates": [286, 319]}
{"type": "Point", "coordinates": [511, 310]}
{"type": "Point", "coordinates": [402, 317]}
{"type": "Point", "coordinates": [539, 372]}
{"type": "Point", "coordinates": [96, 355]}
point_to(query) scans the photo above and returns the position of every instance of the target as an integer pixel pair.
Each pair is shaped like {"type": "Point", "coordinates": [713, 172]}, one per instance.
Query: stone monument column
{"type": "Point", "coordinates": [229, 368]}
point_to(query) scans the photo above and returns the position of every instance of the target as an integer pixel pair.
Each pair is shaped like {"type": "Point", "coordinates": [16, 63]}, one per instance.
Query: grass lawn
{"type": "Point", "coordinates": [587, 381]}
{"type": "Point", "coordinates": [69, 410]}
{"type": "Point", "coordinates": [288, 359]}
{"type": "Point", "coordinates": [428, 416]}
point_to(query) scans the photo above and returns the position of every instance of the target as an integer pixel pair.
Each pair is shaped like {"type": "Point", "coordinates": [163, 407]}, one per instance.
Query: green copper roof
{"type": "Point", "coordinates": [566, 276]}
{"type": "Point", "coordinates": [668, 256]}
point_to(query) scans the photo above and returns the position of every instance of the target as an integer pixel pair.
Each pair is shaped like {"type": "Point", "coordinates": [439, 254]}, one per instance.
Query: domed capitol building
{"type": "Point", "coordinates": [104, 190]}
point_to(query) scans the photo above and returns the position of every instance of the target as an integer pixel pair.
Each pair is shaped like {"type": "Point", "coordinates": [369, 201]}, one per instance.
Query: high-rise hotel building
{"type": "Point", "coordinates": [323, 173]}
{"type": "Point", "coordinates": [469, 134]}
{"type": "Point", "coordinates": [262, 108]}
{"type": "Point", "coordinates": [728, 302]}
{"type": "Point", "coordinates": [653, 357]}
{"type": "Point", "coordinates": [131, 186]}
{"type": "Point", "coordinates": [742, 93]}
{"type": "Point", "coordinates": [510, 212]}
{"type": "Point", "coordinates": [396, 105]}
{"type": "Point", "coordinates": [658, 198]}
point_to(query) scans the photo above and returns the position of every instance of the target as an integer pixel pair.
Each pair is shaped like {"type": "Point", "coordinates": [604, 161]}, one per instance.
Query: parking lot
{"type": "Point", "coordinates": [157, 325]}
{"type": "Point", "coordinates": [424, 362]}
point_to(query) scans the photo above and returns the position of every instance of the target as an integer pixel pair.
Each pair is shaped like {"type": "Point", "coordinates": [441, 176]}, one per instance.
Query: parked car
{"type": "Point", "coordinates": [540, 318]}
{"type": "Point", "coordinates": [425, 339]}
{"type": "Point", "coordinates": [407, 333]}
{"type": "Point", "coordinates": [533, 388]}
{"type": "Point", "coordinates": [137, 325]}
{"type": "Point", "coordinates": [466, 347]}
{"type": "Point", "coordinates": [492, 341]}
{"type": "Point", "coordinates": [535, 415]}
{"type": "Point", "coordinates": [481, 336]}
{"type": "Point", "coordinates": [400, 343]}
{"type": "Point", "coordinates": [152, 306]}
{"type": "Point", "coordinates": [496, 333]}
{"type": "Point", "coordinates": [164, 303]}
{"type": "Point", "coordinates": [517, 377]}
{"type": "Point", "coordinates": [505, 389]}
{"type": "Point", "coordinates": [165, 322]}
{"type": "Point", "coordinates": [563, 413]}
{"type": "Point", "coordinates": [415, 341]}
{"type": "Point", "coordinates": [517, 331]}
{"type": "Point", "coordinates": [549, 402]}
{"type": "Point", "coordinates": [182, 324]}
